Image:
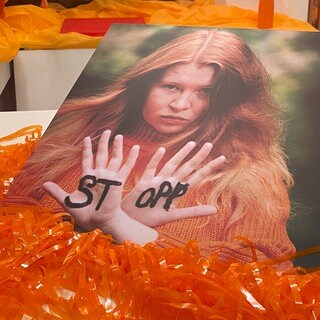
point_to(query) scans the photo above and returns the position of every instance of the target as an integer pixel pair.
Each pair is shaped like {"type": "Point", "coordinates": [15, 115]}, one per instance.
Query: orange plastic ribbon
{"type": "Point", "coordinates": [13, 154]}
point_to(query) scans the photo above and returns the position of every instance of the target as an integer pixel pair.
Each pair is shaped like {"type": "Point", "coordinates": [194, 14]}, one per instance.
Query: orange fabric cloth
{"type": "Point", "coordinates": [268, 236]}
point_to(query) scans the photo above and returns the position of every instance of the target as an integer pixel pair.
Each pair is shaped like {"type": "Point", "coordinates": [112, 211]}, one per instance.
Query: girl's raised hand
{"type": "Point", "coordinates": [96, 202]}
{"type": "Point", "coordinates": [152, 201]}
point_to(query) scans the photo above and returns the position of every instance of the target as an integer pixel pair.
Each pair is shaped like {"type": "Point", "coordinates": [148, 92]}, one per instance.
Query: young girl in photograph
{"type": "Point", "coordinates": [184, 145]}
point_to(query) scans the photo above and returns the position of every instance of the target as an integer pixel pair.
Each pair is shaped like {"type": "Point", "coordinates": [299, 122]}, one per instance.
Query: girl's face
{"type": "Point", "coordinates": [179, 97]}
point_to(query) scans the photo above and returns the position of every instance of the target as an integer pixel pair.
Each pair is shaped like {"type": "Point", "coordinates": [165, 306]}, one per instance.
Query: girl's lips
{"type": "Point", "coordinates": [173, 119]}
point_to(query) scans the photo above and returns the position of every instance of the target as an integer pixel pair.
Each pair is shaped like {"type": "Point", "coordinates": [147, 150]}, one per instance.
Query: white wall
{"type": "Point", "coordinates": [43, 78]}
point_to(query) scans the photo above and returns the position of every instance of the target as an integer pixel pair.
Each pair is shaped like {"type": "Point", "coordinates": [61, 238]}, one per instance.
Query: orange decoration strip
{"type": "Point", "coordinates": [265, 14]}
{"type": "Point", "coordinates": [44, 4]}
{"type": "Point", "coordinates": [2, 4]}
{"type": "Point", "coordinates": [49, 271]}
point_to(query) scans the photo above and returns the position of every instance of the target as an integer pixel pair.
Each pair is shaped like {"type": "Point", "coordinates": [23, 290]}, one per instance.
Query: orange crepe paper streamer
{"type": "Point", "coordinates": [50, 271]}
{"type": "Point", "coordinates": [33, 27]}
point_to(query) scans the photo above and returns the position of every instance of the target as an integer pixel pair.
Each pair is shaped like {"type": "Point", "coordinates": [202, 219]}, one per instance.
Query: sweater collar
{"type": "Point", "coordinates": [144, 133]}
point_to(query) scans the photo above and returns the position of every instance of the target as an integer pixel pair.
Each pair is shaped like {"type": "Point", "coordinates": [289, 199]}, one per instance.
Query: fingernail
{"type": "Point", "coordinates": [191, 143]}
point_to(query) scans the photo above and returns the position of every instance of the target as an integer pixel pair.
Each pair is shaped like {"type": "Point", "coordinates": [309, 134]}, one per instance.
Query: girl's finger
{"type": "Point", "coordinates": [190, 212]}
{"type": "Point", "coordinates": [170, 167]}
{"type": "Point", "coordinates": [102, 152]}
{"type": "Point", "coordinates": [150, 170]}
{"type": "Point", "coordinates": [193, 164]}
{"type": "Point", "coordinates": [56, 191]}
{"type": "Point", "coordinates": [130, 162]}
{"type": "Point", "coordinates": [117, 153]}
{"type": "Point", "coordinates": [87, 156]}
{"type": "Point", "coordinates": [199, 175]}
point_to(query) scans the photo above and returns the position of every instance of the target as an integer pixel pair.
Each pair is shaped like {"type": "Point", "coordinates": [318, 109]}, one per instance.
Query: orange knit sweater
{"type": "Point", "coordinates": [268, 235]}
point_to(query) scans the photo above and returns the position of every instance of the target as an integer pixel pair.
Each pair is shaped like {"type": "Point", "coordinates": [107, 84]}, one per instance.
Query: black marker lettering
{"type": "Point", "coordinates": [139, 203]}
{"type": "Point", "coordinates": [166, 191]}
{"type": "Point", "coordinates": [82, 188]}
{"type": "Point", "coordinates": [107, 183]}
{"type": "Point", "coordinates": [162, 193]}
{"type": "Point", "coordinates": [179, 190]}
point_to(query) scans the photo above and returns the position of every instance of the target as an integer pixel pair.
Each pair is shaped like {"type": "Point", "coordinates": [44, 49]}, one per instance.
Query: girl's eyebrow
{"type": "Point", "coordinates": [204, 85]}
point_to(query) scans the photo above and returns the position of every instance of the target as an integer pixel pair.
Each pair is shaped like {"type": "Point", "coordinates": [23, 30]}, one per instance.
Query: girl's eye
{"type": "Point", "coordinates": [171, 86]}
{"type": "Point", "coordinates": [205, 91]}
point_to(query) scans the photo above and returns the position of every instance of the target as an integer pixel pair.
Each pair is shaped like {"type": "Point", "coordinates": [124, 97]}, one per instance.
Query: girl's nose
{"type": "Point", "coordinates": [181, 101]}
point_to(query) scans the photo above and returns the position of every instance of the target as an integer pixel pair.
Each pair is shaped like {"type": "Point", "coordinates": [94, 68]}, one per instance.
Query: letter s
{"type": "Point", "coordinates": [82, 188]}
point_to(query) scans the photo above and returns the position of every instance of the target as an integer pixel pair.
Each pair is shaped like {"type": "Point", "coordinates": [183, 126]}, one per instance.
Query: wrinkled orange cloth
{"type": "Point", "coordinates": [32, 27]}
